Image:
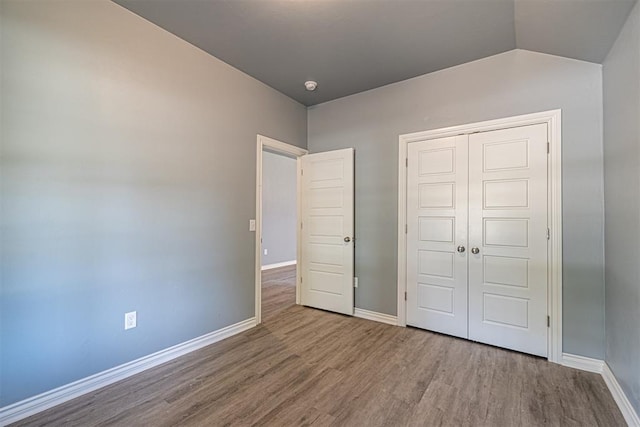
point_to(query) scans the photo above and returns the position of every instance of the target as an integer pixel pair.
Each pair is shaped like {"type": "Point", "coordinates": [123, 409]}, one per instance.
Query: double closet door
{"type": "Point", "coordinates": [477, 237]}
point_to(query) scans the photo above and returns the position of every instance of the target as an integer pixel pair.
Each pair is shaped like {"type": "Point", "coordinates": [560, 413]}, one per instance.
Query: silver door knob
{"type": "Point", "coordinates": [475, 251]}
{"type": "Point", "coordinates": [347, 239]}
{"type": "Point", "coordinates": [461, 249]}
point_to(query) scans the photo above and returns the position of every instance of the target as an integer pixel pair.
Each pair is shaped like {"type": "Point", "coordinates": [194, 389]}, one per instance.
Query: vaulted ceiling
{"type": "Point", "coordinates": [350, 46]}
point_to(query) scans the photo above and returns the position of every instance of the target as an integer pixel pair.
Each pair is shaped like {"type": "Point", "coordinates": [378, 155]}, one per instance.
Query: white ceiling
{"type": "Point", "coordinates": [350, 46]}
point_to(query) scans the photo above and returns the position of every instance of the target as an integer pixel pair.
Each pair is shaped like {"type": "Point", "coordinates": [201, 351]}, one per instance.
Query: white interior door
{"type": "Point", "coordinates": [327, 231]}
{"type": "Point", "coordinates": [508, 236]}
{"type": "Point", "coordinates": [437, 235]}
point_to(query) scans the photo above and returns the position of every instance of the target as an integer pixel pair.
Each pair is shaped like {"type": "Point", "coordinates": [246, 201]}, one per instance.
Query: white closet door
{"type": "Point", "coordinates": [508, 227]}
{"type": "Point", "coordinates": [327, 231]}
{"type": "Point", "coordinates": [437, 226]}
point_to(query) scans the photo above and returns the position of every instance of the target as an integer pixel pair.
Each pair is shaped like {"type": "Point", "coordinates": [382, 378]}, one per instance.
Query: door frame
{"type": "Point", "coordinates": [279, 147]}
{"type": "Point", "coordinates": [553, 119]}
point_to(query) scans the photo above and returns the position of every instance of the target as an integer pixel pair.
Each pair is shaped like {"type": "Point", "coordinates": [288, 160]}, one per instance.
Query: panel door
{"type": "Point", "coordinates": [436, 227]}
{"type": "Point", "coordinates": [508, 227]}
{"type": "Point", "coordinates": [327, 231]}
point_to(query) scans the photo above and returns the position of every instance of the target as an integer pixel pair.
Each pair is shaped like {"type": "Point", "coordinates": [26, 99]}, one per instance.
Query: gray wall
{"type": "Point", "coordinates": [279, 215]}
{"type": "Point", "coordinates": [621, 72]}
{"type": "Point", "coordinates": [127, 182]}
{"type": "Point", "coordinates": [512, 83]}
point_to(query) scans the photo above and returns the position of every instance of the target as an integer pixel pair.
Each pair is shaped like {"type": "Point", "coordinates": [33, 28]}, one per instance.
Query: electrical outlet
{"type": "Point", "coordinates": [266, 251]}
{"type": "Point", "coordinates": [252, 225]}
{"type": "Point", "coordinates": [130, 320]}
{"type": "Point", "coordinates": [355, 282]}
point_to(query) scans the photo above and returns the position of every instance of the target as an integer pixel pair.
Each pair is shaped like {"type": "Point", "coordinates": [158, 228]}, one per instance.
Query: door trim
{"type": "Point", "coordinates": [553, 120]}
{"type": "Point", "coordinates": [279, 147]}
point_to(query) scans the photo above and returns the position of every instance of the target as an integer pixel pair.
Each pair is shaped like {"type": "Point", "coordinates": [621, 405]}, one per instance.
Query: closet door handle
{"type": "Point", "coordinates": [475, 251]}
{"type": "Point", "coordinates": [461, 249]}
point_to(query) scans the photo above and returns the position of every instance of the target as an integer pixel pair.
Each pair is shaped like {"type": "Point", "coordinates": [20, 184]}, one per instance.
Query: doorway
{"type": "Point", "coordinates": [325, 240]}
{"type": "Point", "coordinates": [279, 220]}
{"type": "Point", "coordinates": [277, 236]}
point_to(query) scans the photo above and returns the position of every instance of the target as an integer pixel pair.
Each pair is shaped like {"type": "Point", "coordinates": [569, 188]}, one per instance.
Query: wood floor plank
{"type": "Point", "coordinates": [307, 367]}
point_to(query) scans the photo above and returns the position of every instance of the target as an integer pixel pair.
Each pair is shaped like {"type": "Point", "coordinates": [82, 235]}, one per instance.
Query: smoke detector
{"type": "Point", "coordinates": [310, 85]}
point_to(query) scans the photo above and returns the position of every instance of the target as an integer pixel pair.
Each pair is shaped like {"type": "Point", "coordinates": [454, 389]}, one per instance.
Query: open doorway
{"type": "Point", "coordinates": [279, 220]}
{"type": "Point", "coordinates": [277, 231]}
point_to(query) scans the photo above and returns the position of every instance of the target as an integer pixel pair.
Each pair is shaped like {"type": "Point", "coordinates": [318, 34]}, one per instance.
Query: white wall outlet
{"type": "Point", "coordinates": [355, 282]}
{"type": "Point", "coordinates": [252, 225]}
{"type": "Point", "coordinates": [266, 251]}
{"type": "Point", "coordinates": [130, 320]}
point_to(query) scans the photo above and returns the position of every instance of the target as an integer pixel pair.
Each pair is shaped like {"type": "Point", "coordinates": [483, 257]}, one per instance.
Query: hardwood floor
{"type": "Point", "coordinates": [278, 291]}
{"type": "Point", "coordinates": [309, 367]}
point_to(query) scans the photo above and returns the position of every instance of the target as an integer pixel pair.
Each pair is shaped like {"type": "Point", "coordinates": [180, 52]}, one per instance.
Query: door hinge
{"type": "Point", "coordinates": [301, 226]}
{"type": "Point", "coordinates": [548, 234]}
{"type": "Point", "coordinates": [406, 162]}
{"type": "Point", "coordinates": [300, 279]}
{"type": "Point", "coordinates": [405, 295]}
{"type": "Point", "coordinates": [406, 228]}
{"type": "Point", "coordinates": [548, 147]}
{"type": "Point", "coordinates": [301, 171]}
{"type": "Point", "coordinates": [548, 321]}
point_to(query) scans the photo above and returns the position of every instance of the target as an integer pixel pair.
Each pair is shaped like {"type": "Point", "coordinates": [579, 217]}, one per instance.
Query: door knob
{"type": "Point", "coordinates": [461, 249]}
{"type": "Point", "coordinates": [347, 239]}
{"type": "Point", "coordinates": [475, 251]}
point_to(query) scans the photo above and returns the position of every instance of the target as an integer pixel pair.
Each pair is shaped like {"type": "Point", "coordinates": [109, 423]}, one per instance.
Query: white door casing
{"type": "Point", "coordinates": [327, 225]}
{"type": "Point", "coordinates": [437, 235]}
{"type": "Point", "coordinates": [508, 226]}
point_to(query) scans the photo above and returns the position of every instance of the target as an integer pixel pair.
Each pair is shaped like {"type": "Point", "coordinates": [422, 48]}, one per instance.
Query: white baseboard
{"type": "Point", "coordinates": [582, 363]}
{"type": "Point", "coordinates": [375, 316]}
{"type": "Point", "coordinates": [600, 367]}
{"type": "Point", "coordinates": [629, 413]}
{"type": "Point", "coordinates": [49, 399]}
{"type": "Point", "coordinates": [278, 265]}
